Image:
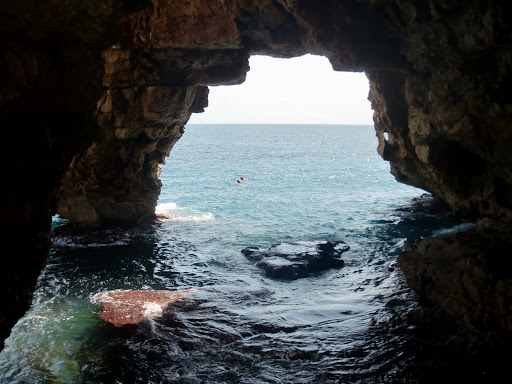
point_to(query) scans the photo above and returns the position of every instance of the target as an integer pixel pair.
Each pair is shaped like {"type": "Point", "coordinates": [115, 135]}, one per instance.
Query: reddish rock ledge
{"type": "Point", "coordinates": [128, 308]}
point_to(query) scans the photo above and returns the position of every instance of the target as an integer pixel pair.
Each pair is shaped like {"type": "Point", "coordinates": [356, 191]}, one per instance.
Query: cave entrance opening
{"type": "Point", "coordinates": [300, 90]}
{"type": "Point", "coordinates": [297, 132]}
{"type": "Point", "coordinates": [278, 95]}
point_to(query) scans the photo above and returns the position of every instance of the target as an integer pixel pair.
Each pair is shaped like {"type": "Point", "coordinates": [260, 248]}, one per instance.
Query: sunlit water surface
{"type": "Point", "coordinates": [301, 183]}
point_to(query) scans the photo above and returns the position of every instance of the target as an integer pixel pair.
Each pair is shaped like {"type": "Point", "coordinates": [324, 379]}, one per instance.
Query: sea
{"type": "Point", "coordinates": [300, 183]}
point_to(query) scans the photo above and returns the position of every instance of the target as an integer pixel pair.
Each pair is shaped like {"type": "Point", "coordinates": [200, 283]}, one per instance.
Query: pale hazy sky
{"type": "Point", "coordinates": [302, 90]}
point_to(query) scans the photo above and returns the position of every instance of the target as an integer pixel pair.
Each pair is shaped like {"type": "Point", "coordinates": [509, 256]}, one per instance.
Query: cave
{"type": "Point", "coordinates": [95, 95]}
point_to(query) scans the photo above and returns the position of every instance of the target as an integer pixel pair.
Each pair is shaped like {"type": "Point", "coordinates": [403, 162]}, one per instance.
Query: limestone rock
{"type": "Point", "coordinates": [436, 112]}
{"type": "Point", "coordinates": [433, 97]}
{"type": "Point", "coordinates": [129, 308]}
{"type": "Point", "coordinates": [294, 260]}
{"type": "Point", "coordinates": [147, 101]}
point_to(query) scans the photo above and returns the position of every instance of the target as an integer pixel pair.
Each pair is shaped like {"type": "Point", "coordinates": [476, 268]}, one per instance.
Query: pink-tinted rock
{"type": "Point", "coordinates": [125, 308]}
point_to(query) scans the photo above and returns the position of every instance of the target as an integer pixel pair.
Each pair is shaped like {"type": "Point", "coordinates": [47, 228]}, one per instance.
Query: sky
{"type": "Point", "coordinates": [301, 90]}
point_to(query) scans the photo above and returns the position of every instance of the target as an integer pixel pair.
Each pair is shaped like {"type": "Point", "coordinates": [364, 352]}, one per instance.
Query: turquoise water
{"type": "Point", "coordinates": [301, 182]}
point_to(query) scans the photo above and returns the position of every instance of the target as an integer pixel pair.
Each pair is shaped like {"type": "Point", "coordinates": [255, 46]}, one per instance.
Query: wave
{"type": "Point", "coordinates": [93, 238]}
{"type": "Point", "coordinates": [78, 242]}
{"type": "Point", "coordinates": [172, 212]}
{"type": "Point", "coordinates": [453, 229]}
{"type": "Point", "coordinates": [165, 207]}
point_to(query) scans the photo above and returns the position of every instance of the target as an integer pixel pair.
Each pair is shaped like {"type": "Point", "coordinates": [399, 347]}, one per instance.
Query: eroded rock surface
{"type": "Point", "coordinates": [130, 308]}
{"type": "Point", "coordinates": [157, 76]}
{"type": "Point", "coordinates": [446, 115]}
{"type": "Point", "coordinates": [292, 261]}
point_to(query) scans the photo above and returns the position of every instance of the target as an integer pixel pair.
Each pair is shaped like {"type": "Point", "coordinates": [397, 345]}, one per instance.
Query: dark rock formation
{"type": "Point", "coordinates": [467, 278]}
{"type": "Point", "coordinates": [94, 95]}
{"type": "Point", "coordinates": [299, 259]}
{"type": "Point", "coordinates": [447, 113]}
{"type": "Point", "coordinates": [130, 308]}
{"type": "Point", "coordinates": [141, 115]}
{"type": "Point", "coordinates": [50, 80]}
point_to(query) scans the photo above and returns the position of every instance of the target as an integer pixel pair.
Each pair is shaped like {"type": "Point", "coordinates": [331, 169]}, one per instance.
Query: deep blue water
{"type": "Point", "coordinates": [302, 182]}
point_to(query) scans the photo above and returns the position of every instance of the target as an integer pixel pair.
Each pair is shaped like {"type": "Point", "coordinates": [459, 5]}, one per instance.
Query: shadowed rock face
{"type": "Point", "coordinates": [467, 278]}
{"type": "Point", "coordinates": [95, 94]}
{"type": "Point", "coordinates": [52, 66]}
{"type": "Point", "coordinates": [447, 115]}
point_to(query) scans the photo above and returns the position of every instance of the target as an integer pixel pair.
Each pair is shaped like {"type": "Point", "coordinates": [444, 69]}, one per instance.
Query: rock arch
{"type": "Point", "coordinates": [97, 94]}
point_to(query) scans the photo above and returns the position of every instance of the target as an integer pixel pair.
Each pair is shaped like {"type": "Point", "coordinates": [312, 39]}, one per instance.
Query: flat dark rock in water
{"type": "Point", "coordinates": [128, 308]}
{"type": "Point", "coordinates": [297, 259]}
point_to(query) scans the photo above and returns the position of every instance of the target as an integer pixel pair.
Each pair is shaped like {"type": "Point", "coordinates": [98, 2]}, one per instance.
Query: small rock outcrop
{"type": "Point", "coordinates": [294, 260]}
{"type": "Point", "coordinates": [130, 308]}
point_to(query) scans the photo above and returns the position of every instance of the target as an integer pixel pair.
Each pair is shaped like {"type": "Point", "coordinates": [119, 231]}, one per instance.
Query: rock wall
{"type": "Point", "coordinates": [467, 279]}
{"type": "Point", "coordinates": [438, 72]}
{"type": "Point", "coordinates": [96, 94]}
{"type": "Point", "coordinates": [447, 115]}
{"type": "Point", "coordinates": [443, 123]}
{"type": "Point", "coordinates": [148, 97]}
{"type": "Point", "coordinates": [50, 81]}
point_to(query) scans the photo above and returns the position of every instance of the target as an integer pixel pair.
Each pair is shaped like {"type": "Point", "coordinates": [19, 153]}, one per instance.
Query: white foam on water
{"type": "Point", "coordinates": [173, 212]}
{"type": "Point", "coordinates": [208, 216]}
{"type": "Point", "coordinates": [100, 297]}
{"type": "Point", "coordinates": [165, 207]}
{"type": "Point", "coordinates": [453, 229]}
{"type": "Point", "coordinates": [152, 310]}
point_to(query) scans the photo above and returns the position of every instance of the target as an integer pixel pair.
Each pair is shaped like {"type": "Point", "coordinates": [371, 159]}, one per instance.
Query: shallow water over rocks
{"type": "Point", "coordinates": [344, 325]}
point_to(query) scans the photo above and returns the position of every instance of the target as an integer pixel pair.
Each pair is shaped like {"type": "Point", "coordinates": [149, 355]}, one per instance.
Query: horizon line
{"type": "Point", "coordinates": [369, 124]}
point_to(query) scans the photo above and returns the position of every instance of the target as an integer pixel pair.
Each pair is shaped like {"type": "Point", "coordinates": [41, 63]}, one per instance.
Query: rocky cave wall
{"type": "Point", "coordinates": [50, 81]}
{"type": "Point", "coordinates": [96, 94]}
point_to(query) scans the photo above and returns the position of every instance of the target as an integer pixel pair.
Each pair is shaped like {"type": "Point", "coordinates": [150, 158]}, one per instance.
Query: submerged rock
{"type": "Point", "coordinates": [297, 259]}
{"type": "Point", "coordinates": [127, 308]}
